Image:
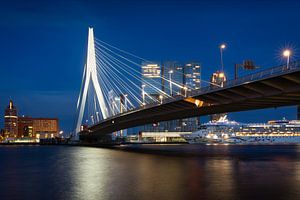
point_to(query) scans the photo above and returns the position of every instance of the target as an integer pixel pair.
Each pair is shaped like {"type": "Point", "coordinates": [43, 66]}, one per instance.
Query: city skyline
{"type": "Point", "coordinates": [40, 81]}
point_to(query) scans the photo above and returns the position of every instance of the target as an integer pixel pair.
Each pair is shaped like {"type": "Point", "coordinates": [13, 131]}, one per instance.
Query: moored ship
{"type": "Point", "coordinates": [225, 131]}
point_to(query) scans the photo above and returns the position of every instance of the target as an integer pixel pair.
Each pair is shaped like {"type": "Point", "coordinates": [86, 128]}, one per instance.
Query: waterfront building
{"type": "Point", "coordinates": [157, 137]}
{"type": "Point", "coordinates": [25, 127]}
{"type": "Point", "coordinates": [28, 127]}
{"type": "Point", "coordinates": [40, 128]}
{"type": "Point", "coordinates": [171, 78]}
{"type": "Point", "coordinates": [11, 120]}
{"type": "Point", "coordinates": [192, 81]}
{"type": "Point", "coordinates": [44, 128]}
{"type": "Point", "coordinates": [151, 82]}
{"type": "Point", "coordinates": [172, 73]}
{"type": "Point", "coordinates": [192, 76]}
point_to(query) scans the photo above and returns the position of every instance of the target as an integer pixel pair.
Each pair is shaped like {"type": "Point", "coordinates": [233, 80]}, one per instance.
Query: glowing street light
{"type": "Point", "coordinates": [287, 53]}
{"type": "Point", "coordinates": [222, 46]}
{"type": "Point", "coordinates": [161, 98]}
{"type": "Point", "coordinates": [170, 77]}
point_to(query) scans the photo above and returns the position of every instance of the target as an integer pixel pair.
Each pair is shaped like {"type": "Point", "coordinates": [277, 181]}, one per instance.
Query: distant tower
{"type": "Point", "coordinates": [11, 120]}
{"type": "Point", "coordinates": [217, 80]}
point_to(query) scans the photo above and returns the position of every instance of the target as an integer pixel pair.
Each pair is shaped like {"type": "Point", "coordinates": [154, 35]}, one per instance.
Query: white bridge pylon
{"type": "Point", "coordinates": [90, 77]}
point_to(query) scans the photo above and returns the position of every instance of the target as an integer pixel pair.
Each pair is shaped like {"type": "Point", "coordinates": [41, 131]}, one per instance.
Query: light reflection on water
{"type": "Point", "coordinates": [190, 172]}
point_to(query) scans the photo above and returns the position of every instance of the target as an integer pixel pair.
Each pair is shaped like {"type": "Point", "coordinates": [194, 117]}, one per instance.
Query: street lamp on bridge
{"type": "Point", "coordinates": [185, 91]}
{"type": "Point", "coordinates": [222, 46]}
{"type": "Point", "coordinates": [143, 94]}
{"type": "Point", "coordinates": [170, 77]}
{"type": "Point", "coordinates": [287, 53]}
{"type": "Point", "coordinates": [161, 98]}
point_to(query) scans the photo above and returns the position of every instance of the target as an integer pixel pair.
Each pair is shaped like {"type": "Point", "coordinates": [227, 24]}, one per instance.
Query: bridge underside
{"type": "Point", "coordinates": [271, 92]}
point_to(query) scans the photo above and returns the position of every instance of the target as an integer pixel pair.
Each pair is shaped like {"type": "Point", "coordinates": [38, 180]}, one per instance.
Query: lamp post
{"type": "Point", "coordinates": [185, 90]}
{"type": "Point", "coordinates": [222, 46]}
{"type": "Point", "coordinates": [170, 78]}
{"type": "Point", "coordinates": [161, 98]}
{"type": "Point", "coordinates": [97, 116]}
{"type": "Point", "coordinates": [287, 53]}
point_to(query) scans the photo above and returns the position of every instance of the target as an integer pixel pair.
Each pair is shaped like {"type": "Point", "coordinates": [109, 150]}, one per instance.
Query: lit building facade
{"type": "Point", "coordinates": [175, 78]}
{"type": "Point", "coordinates": [217, 79]}
{"type": "Point", "coordinates": [191, 81]}
{"type": "Point", "coordinates": [25, 127]}
{"type": "Point", "coordinates": [192, 76]}
{"type": "Point", "coordinates": [28, 127]}
{"type": "Point", "coordinates": [11, 120]}
{"type": "Point", "coordinates": [45, 127]}
{"type": "Point", "coordinates": [40, 128]}
{"type": "Point", "coordinates": [151, 82]}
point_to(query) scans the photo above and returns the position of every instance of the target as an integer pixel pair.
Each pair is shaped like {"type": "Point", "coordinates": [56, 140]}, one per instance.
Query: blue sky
{"type": "Point", "coordinates": [43, 43]}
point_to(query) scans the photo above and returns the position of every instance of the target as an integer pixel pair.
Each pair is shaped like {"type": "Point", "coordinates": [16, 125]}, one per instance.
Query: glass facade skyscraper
{"type": "Point", "coordinates": [192, 76]}
{"type": "Point", "coordinates": [151, 82]}
{"type": "Point", "coordinates": [172, 78]}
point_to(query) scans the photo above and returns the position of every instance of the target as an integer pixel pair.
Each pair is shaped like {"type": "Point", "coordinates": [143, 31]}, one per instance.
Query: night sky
{"type": "Point", "coordinates": [43, 44]}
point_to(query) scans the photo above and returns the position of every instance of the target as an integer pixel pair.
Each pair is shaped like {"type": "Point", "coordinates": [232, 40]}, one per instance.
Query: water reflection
{"type": "Point", "coordinates": [94, 173]}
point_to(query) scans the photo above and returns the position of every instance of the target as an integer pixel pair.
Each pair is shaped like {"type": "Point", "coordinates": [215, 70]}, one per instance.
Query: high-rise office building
{"type": "Point", "coordinates": [192, 81]}
{"type": "Point", "coordinates": [151, 82]}
{"type": "Point", "coordinates": [192, 76]}
{"type": "Point", "coordinates": [172, 73]}
{"type": "Point", "coordinates": [11, 120]}
{"type": "Point", "coordinates": [187, 76]}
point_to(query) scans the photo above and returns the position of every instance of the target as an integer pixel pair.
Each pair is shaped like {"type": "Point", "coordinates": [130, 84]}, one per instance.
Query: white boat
{"type": "Point", "coordinates": [231, 132]}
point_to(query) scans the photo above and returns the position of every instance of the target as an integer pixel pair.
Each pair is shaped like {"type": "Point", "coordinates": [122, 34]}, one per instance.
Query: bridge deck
{"type": "Point", "coordinates": [273, 87]}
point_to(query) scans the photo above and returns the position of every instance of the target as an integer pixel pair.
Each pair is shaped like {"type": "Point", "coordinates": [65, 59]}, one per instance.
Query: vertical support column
{"type": "Point", "coordinates": [90, 75]}
{"type": "Point", "coordinates": [298, 112]}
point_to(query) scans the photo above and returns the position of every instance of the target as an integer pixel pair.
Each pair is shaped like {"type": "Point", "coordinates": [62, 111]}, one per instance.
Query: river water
{"type": "Point", "coordinates": [151, 172]}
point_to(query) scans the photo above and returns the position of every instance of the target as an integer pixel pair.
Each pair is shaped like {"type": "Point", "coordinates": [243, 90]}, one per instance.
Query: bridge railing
{"type": "Point", "coordinates": [266, 73]}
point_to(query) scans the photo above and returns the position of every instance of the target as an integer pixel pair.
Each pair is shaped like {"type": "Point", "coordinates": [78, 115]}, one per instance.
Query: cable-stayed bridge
{"type": "Point", "coordinates": [121, 90]}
